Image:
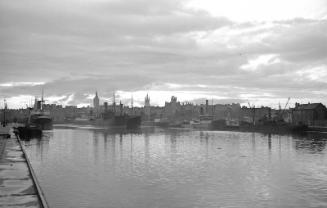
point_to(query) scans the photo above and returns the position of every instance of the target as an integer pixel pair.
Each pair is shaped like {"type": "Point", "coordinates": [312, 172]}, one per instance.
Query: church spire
{"type": "Point", "coordinates": [96, 101]}
{"type": "Point", "coordinates": [147, 100]}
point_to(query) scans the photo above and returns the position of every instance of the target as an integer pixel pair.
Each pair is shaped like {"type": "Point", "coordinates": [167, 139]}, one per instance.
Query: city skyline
{"type": "Point", "coordinates": [130, 102]}
{"type": "Point", "coordinates": [229, 51]}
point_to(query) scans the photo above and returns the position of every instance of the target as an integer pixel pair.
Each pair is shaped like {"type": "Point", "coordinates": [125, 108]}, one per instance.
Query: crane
{"type": "Point", "coordinates": [283, 111]}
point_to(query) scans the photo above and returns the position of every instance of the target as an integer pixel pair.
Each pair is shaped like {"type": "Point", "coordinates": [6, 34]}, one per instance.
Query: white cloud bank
{"type": "Point", "coordinates": [218, 49]}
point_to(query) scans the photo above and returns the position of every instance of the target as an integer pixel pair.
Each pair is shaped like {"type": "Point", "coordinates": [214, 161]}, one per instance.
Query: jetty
{"type": "Point", "coordinates": [18, 183]}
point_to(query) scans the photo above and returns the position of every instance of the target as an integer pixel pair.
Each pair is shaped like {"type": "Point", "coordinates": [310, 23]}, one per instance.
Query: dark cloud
{"type": "Point", "coordinates": [77, 47]}
{"type": "Point", "coordinates": [89, 85]}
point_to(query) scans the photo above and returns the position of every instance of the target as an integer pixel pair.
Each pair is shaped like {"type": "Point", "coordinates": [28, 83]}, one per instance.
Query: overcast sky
{"type": "Point", "coordinates": [227, 50]}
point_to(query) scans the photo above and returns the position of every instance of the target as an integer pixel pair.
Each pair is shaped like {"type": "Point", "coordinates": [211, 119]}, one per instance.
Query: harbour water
{"type": "Point", "coordinates": [155, 168]}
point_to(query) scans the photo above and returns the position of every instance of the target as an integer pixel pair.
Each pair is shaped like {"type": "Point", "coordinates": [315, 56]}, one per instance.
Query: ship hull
{"type": "Point", "coordinates": [128, 122]}
{"type": "Point", "coordinates": [42, 123]}
{"type": "Point", "coordinates": [28, 132]}
{"type": "Point", "coordinates": [264, 128]}
{"type": "Point", "coordinates": [133, 122]}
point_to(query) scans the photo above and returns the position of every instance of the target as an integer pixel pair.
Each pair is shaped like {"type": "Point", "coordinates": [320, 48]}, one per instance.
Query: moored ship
{"type": "Point", "coordinates": [109, 117]}
{"type": "Point", "coordinates": [39, 118]}
{"type": "Point", "coordinates": [112, 120]}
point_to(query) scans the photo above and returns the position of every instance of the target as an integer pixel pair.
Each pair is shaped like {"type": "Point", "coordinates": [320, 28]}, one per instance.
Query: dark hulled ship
{"type": "Point", "coordinates": [110, 116]}
{"type": "Point", "coordinates": [40, 118]}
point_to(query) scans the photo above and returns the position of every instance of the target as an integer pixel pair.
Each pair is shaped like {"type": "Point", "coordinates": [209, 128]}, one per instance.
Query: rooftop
{"type": "Point", "coordinates": [308, 106]}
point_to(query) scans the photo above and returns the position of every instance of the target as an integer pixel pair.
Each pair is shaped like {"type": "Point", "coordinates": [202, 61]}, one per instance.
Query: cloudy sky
{"type": "Point", "coordinates": [262, 51]}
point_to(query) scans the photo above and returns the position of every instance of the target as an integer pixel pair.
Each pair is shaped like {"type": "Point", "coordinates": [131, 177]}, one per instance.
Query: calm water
{"type": "Point", "coordinates": [177, 168]}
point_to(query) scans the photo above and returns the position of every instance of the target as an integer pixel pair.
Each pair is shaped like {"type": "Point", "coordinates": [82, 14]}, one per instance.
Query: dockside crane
{"type": "Point", "coordinates": [283, 111]}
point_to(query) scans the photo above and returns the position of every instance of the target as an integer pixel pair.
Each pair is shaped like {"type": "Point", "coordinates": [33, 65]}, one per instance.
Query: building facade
{"type": "Point", "coordinates": [309, 114]}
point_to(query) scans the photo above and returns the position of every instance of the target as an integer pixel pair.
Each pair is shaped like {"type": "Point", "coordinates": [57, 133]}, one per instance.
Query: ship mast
{"type": "Point", "coordinates": [212, 108]}
{"type": "Point", "coordinates": [4, 112]}
{"type": "Point", "coordinates": [132, 102]}
{"type": "Point", "coordinates": [114, 103]}
{"type": "Point", "coordinates": [42, 99]}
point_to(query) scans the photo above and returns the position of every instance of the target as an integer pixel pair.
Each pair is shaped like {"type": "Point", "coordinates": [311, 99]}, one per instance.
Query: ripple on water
{"type": "Point", "coordinates": [175, 168]}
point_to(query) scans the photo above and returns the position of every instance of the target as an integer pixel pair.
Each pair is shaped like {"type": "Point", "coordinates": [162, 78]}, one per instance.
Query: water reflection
{"type": "Point", "coordinates": [105, 142]}
{"type": "Point", "coordinates": [41, 144]}
{"type": "Point", "coordinates": [113, 150]}
{"type": "Point", "coordinates": [173, 145]}
{"type": "Point", "coordinates": [95, 146]}
{"type": "Point", "coordinates": [178, 168]}
{"type": "Point", "coordinates": [315, 143]}
{"type": "Point", "coordinates": [146, 149]}
{"type": "Point", "coordinates": [253, 143]}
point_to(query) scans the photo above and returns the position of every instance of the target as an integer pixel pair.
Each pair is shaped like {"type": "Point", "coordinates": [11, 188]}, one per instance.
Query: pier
{"type": "Point", "coordinates": [18, 184]}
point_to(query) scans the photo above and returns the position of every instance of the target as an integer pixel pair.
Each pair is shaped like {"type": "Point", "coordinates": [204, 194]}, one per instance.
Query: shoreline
{"type": "Point", "coordinates": [284, 130]}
